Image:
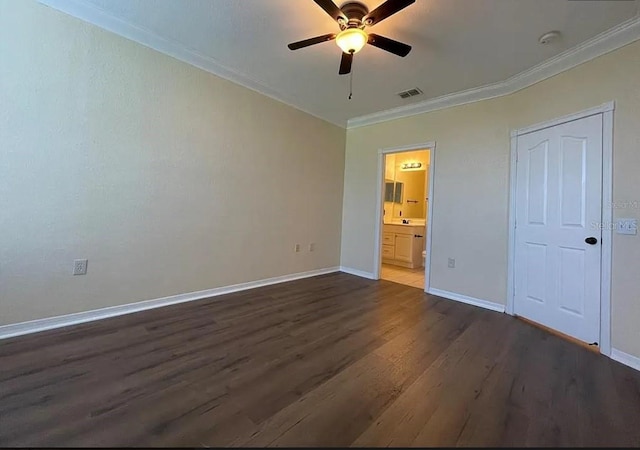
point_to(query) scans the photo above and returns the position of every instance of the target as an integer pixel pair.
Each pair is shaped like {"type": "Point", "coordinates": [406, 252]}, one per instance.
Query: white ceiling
{"type": "Point", "coordinates": [457, 44]}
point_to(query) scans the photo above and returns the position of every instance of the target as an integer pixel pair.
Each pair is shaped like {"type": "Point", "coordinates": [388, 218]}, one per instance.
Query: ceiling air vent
{"type": "Point", "coordinates": [410, 93]}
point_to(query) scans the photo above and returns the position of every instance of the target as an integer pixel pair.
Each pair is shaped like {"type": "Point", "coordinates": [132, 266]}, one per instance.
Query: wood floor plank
{"type": "Point", "coordinates": [329, 360]}
{"type": "Point", "coordinates": [336, 411]}
{"type": "Point", "coordinates": [441, 385]}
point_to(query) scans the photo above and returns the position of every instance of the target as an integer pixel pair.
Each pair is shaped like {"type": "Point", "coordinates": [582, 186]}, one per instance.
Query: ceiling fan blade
{"type": "Point", "coordinates": [311, 41]}
{"type": "Point", "coordinates": [331, 9]}
{"type": "Point", "coordinates": [388, 8]}
{"type": "Point", "coordinates": [395, 47]}
{"type": "Point", "coordinates": [345, 63]}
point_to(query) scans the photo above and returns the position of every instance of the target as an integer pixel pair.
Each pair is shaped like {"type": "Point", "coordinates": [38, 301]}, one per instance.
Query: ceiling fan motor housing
{"type": "Point", "coordinates": [353, 17]}
{"type": "Point", "coordinates": [355, 12]}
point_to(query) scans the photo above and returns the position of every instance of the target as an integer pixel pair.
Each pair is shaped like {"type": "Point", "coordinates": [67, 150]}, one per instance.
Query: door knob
{"type": "Point", "coordinates": [591, 240]}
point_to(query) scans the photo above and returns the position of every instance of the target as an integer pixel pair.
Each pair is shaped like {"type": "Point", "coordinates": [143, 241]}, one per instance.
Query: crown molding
{"type": "Point", "coordinates": [612, 39]}
{"type": "Point", "coordinates": [102, 19]}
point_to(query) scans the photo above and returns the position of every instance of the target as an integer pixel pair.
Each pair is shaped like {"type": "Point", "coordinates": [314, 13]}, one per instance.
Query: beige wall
{"type": "Point", "coordinates": [470, 210]}
{"type": "Point", "coordinates": [167, 178]}
{"type": "Point", "coordinates": [116, 153]}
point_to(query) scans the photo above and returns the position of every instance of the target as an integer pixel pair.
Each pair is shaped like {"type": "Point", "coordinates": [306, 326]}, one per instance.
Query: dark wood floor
{"type": "Point", "coordinates": [333, 360]}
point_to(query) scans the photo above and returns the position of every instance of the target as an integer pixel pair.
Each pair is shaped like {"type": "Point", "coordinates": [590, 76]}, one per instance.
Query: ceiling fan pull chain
{"type": "Point", "coordinates": [351, 84]}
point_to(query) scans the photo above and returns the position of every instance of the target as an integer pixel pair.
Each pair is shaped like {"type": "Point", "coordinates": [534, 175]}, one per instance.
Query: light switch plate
{"type": "Point", "coordinates": [627, 226]}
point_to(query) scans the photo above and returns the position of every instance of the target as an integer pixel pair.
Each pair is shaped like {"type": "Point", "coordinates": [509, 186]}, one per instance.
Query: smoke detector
{"type": "Point", "coordinates": [549, 37]}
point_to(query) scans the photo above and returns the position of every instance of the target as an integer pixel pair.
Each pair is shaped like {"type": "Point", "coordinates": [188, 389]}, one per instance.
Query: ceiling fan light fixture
{"type": "Point", "coordinates": [352, 40]}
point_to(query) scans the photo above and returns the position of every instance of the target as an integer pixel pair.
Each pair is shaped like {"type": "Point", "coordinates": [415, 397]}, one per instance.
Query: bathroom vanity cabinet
{"type": "Point", "coordinates": [402, 244]}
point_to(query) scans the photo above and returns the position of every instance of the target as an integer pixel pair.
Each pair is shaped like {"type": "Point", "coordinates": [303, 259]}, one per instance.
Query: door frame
{"type": "Point", "coordinates": [606, 110]}
{"type": "Point", "coordinates": [377, 253]}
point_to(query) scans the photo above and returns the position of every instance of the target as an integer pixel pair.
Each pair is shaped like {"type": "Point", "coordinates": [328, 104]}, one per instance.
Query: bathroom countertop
{"type": "Point", "coordinates": [411, 224]}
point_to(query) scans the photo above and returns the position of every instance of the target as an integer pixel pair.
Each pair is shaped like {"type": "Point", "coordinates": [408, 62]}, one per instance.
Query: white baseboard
{"type": "Point", "coordinates": [358, 273]}
{"type": "Point", "coordinates": [468, 300]}
{"type": "Point", "coordinates": [34, 326]}
{"type": "Point", "coordinates": [625, 358]}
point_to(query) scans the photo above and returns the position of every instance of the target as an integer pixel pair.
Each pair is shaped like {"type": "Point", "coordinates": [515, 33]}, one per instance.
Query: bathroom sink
{"type": "Point", "coordinates": [410, 224]}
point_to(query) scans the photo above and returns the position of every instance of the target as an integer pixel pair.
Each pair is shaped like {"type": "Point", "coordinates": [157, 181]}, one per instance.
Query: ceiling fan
{"type": "Point", "coordinates": [353, 18]}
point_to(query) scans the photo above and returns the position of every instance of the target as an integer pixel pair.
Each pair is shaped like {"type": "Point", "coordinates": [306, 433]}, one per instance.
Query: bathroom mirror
{"type": "Point", "coordinates": [406, 187]}
{"type": "Point", "coordinates": [411, 203]}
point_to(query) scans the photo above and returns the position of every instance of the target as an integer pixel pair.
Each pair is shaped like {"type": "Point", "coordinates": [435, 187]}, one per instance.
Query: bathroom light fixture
{"type": "Point", "coordinates": [351, 40]}
{"type": "Point", "coordinates": [414, 165]}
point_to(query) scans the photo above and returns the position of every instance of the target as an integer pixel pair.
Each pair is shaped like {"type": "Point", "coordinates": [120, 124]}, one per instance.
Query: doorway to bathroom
{"type": "Point", "coordinates": [406, 185]}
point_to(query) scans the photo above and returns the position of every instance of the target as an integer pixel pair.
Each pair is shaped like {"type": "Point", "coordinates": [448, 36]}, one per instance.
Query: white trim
{"type": "Point", "coordinates": [511, 245]}
{"type": "Point", "coordinates": [625, 358]}
{"type": "Point", "coordinates": [34, 326]}
{"type": "Point", "coordinates": [382, 152]}
{"type": "Point", "coordinates": [96, 16]}
{"type": "Point", "coordinates": [607, 232]}
{"type": "Point", "coordinates": [486, 304]}
{"type": "Point", "coordinates": [612, 39]}
{"type": "Point", "coordinates": [406, 148]}
{"type": "Point", "coordinates": [427, 260]}
{"type": "Point", "coordinates": [377, 226]}
{"type": "Point", "coordinates": [607, 110]}
{"type": "Point", "coordinates": [358, 273]}
{"type": "Point", "coordinates": [605, 107]}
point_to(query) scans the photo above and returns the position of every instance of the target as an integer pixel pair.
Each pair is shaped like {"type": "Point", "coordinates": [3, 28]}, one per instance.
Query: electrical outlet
{"type": "Point", "coordinates": [296, 248]}
{"type": "Point", "coordinates": [452, 263]}
{"type": "Point", "coordinates": [312, 247]}
{"type": "Point", "coordinates": [80, 266]}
